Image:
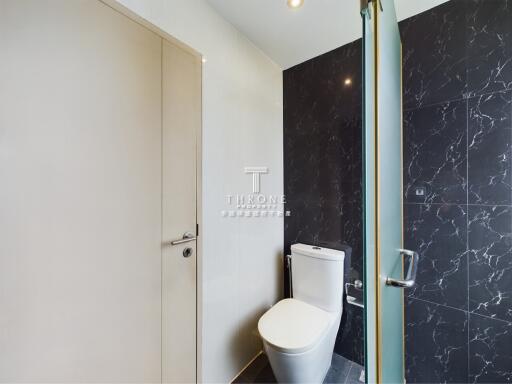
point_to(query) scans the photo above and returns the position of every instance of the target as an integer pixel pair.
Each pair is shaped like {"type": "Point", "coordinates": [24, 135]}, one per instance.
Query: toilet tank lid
{"type": "Point", "coordinates": [318, 252]}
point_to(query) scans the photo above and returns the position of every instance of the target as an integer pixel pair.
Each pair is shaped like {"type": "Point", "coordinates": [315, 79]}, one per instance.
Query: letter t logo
{"type": "Point", "coordinates": [256, 171]}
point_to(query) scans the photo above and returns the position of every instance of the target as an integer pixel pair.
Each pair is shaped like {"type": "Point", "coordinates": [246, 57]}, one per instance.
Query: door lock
{"type": "Point", "coordinates": [187, 252]}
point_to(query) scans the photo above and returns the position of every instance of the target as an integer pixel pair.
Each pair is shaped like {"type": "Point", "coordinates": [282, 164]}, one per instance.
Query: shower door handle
{"type": "Point", "coordinates": [410, 278]}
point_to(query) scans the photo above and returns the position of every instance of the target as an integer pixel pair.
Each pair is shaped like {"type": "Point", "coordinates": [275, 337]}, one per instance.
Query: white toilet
{"type": "Point", "coordinates": [299, 334]}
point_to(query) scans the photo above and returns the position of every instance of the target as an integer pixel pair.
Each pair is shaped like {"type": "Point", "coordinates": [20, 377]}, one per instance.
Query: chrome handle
{"type": "Point", "coordinates": [410, 278]}
{"type": "Point", "coordinates": [187, 236]}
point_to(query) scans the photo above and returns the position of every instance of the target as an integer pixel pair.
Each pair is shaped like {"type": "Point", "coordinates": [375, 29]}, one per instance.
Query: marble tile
{"type": "Point", "coordinates": [330, 224]}
{"type": "Point", "coordinates": [354, 375]}
{"type": "Point", "coordinates": [489, 149]}
{"type": "Point", "coordinates": [323, 162]}
{"type": "Point", "coordinates": [489, 46]}
{"type": "Point", "coordinates": [265, 376]}
{"type": "Point", "coordinates": [260, 371]}
{"type": "Point", "coordinates": [434, 55]}
{"type": "Point", "coordinates": [490, 261]}
{"type": "Point", "coordinates": [340, 368]}
{"type": "Point", "coordinates": [435, 343]}
{"type": "Point", "coordinates": [490, 350]}
{"type": "Point", "coordinates": [256, 371]}
{"type": "Point", "coordinates": [435, 153]}
{"type": "Point", "coordinates": [438, 233]}
{"type": "Point", "coordinates": [349, 341]}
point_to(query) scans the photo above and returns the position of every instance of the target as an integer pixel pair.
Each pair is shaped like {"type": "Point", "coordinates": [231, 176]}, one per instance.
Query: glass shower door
{"type": "Point", "coordinates": [384, 257]}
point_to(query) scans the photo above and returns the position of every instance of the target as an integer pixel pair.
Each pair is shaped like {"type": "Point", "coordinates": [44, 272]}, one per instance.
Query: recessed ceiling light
{"type": "Point", "coordinates": [348, 81]}
{"type": "Point", "coordinates": [295, 3]}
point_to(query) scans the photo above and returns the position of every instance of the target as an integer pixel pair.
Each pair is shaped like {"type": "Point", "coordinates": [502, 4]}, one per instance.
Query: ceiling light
{"type": "Point", "coordinates": [295, 3]}
{"type": "Point", "coordinates": [348, 81]}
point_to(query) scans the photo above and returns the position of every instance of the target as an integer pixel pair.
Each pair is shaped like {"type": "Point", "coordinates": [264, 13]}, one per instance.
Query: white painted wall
{"type": "Point", "coordinates": [242, 126]}
{"type": "Point", "coordinates": [291, 37]}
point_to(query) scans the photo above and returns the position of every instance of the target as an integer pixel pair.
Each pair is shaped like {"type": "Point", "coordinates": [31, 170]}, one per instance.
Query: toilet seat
{"type": "Point", "coordinates": [293, 326]}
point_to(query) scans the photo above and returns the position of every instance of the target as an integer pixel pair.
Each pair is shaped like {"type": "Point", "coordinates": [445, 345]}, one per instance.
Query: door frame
{"type": "Point", "coordinates": [116, 6]}
{"type": "Point", "coordinates": [374, 7]}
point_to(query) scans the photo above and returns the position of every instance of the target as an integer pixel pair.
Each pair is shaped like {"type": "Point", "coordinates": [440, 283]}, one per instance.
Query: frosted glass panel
{"type": "Point", "coordinates": [383, 193]}
{"type": "Point", "coordinates": [369, 196]}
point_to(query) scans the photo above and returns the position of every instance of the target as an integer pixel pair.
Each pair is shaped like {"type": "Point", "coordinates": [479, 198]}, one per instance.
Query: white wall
{"type": "Point", "coordinates": [408, 8]}
{"type": "Point", "coordinates": [242, 126]}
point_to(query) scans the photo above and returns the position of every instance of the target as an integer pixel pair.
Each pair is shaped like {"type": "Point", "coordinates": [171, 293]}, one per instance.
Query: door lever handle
{"type": "Point", "coordinates": [187, 236]}
{"type": "Point", "coordinates": [410, 278]}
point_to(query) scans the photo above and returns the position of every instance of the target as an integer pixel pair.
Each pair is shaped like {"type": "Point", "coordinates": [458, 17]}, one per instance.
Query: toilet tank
{"type": "Point", "coordinates": [317, 276]}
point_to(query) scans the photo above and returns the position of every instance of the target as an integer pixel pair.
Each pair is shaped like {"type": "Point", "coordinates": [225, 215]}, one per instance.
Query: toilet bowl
{"type": "Point", "coordinates": [299, 333]}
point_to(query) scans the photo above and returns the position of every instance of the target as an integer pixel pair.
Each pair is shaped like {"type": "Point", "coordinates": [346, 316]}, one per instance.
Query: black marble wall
{"type": "Point", "coordinates": [457, 150]}
{"type": "Point", "coordinates": [322, 166]}
{"type": "Point", "coordinates": [457, 147]}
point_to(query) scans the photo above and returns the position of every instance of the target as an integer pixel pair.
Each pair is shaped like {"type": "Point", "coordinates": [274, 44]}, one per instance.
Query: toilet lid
{"type": "Point", "coordinates": [294, 326]}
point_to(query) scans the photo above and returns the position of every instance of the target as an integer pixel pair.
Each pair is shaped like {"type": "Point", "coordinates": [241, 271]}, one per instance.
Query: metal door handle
{"type": "Point", "coordinates": [410, 278]}
{"type": "Point", "coordinates": [187, 236]}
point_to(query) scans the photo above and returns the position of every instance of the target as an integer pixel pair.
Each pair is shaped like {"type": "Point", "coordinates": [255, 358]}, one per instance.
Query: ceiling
{"type": "Point", "coordinates": [291, 36]}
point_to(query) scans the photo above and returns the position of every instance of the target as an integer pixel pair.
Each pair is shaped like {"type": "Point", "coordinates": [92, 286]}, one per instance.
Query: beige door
{"type": "Point", "coordinates": [93, 124]}
{"type": "Point", "coordinates": [181, 124]}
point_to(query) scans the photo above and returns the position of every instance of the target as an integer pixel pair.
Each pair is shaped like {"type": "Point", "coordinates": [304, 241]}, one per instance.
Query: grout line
{"type": "Point", "coordinates": [162, 211]}
{"type": "Point", "coordinates": [464, 97]}
{"type": "Point", "coordinates": [467, 225]}
{"type": "Point", "coordinates": [491, 318]}
{"type": "Point", "coordinates": [442, 305]}
{"type": "Point", "coordinates": [247, 366]}
{"type": "Point", "coordinates": [348, 374]}
{"type": "Point", "coordinates": [436, 104]}
{"type": "Point", "coordinates": [460, 310]}
{"type": "Point", "coordinates": [458, 204]}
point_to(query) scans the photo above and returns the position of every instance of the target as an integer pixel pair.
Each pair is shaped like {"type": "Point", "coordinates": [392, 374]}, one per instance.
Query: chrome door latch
{"type": "Point", "coordinates": [410, 278]}
{"type": "Point", "coordinates": [187, 236]}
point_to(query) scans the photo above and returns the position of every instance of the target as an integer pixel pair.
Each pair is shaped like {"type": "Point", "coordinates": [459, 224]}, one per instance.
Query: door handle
{"type": "Point", "coordinates": [410, 278]}
{"type": "Point", "coordinates": [187, 236]}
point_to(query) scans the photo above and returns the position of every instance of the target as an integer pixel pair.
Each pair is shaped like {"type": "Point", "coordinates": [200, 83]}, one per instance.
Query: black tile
{"type": "Point", "coordinates": [266, 375]}
{"type": "Point", "coordinates": [438, 233]}
{"type": "Point", "coordinates": [490, 350]}
{"type": "Point", "coordinates": [489, 149]}
{"type": "Point", "coordinates": [323, 162]}
{"type": "Point", "coordinates": [322, 151]}
{"type": "Point", "coordinates": [355, 374]}
{"type": "Point", "coordinates": [490, 261]}
{"type": "Point", "coordinates": [340, 368]}
{"type": "Point", "coordinates": [350, 338]}
{"type": "Point", "coordinates": [435, 343]}
{"type": "Point", "coordinates": [256, 371]}
{"type": "Point", "coordinates": [435, 153]}
{"type": "Point", "coordinates": [434, 55]}
{"type": "Point", "coordinates": [260, 371]}
{"type": "Point", "coordinates": [327, 224]}
{"type": "Point", "coordinates": [324, 223]}
{"type": "Point", "coordinates": [489, 46]}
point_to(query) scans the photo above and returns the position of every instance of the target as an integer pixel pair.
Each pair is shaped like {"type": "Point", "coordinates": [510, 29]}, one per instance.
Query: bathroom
{"type": "Point", "coordinates": [191, 191]}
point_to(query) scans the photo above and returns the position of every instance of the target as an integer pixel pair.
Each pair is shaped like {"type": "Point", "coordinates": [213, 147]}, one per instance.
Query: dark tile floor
{"type": "Point", "coordinates": [342, 371]}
